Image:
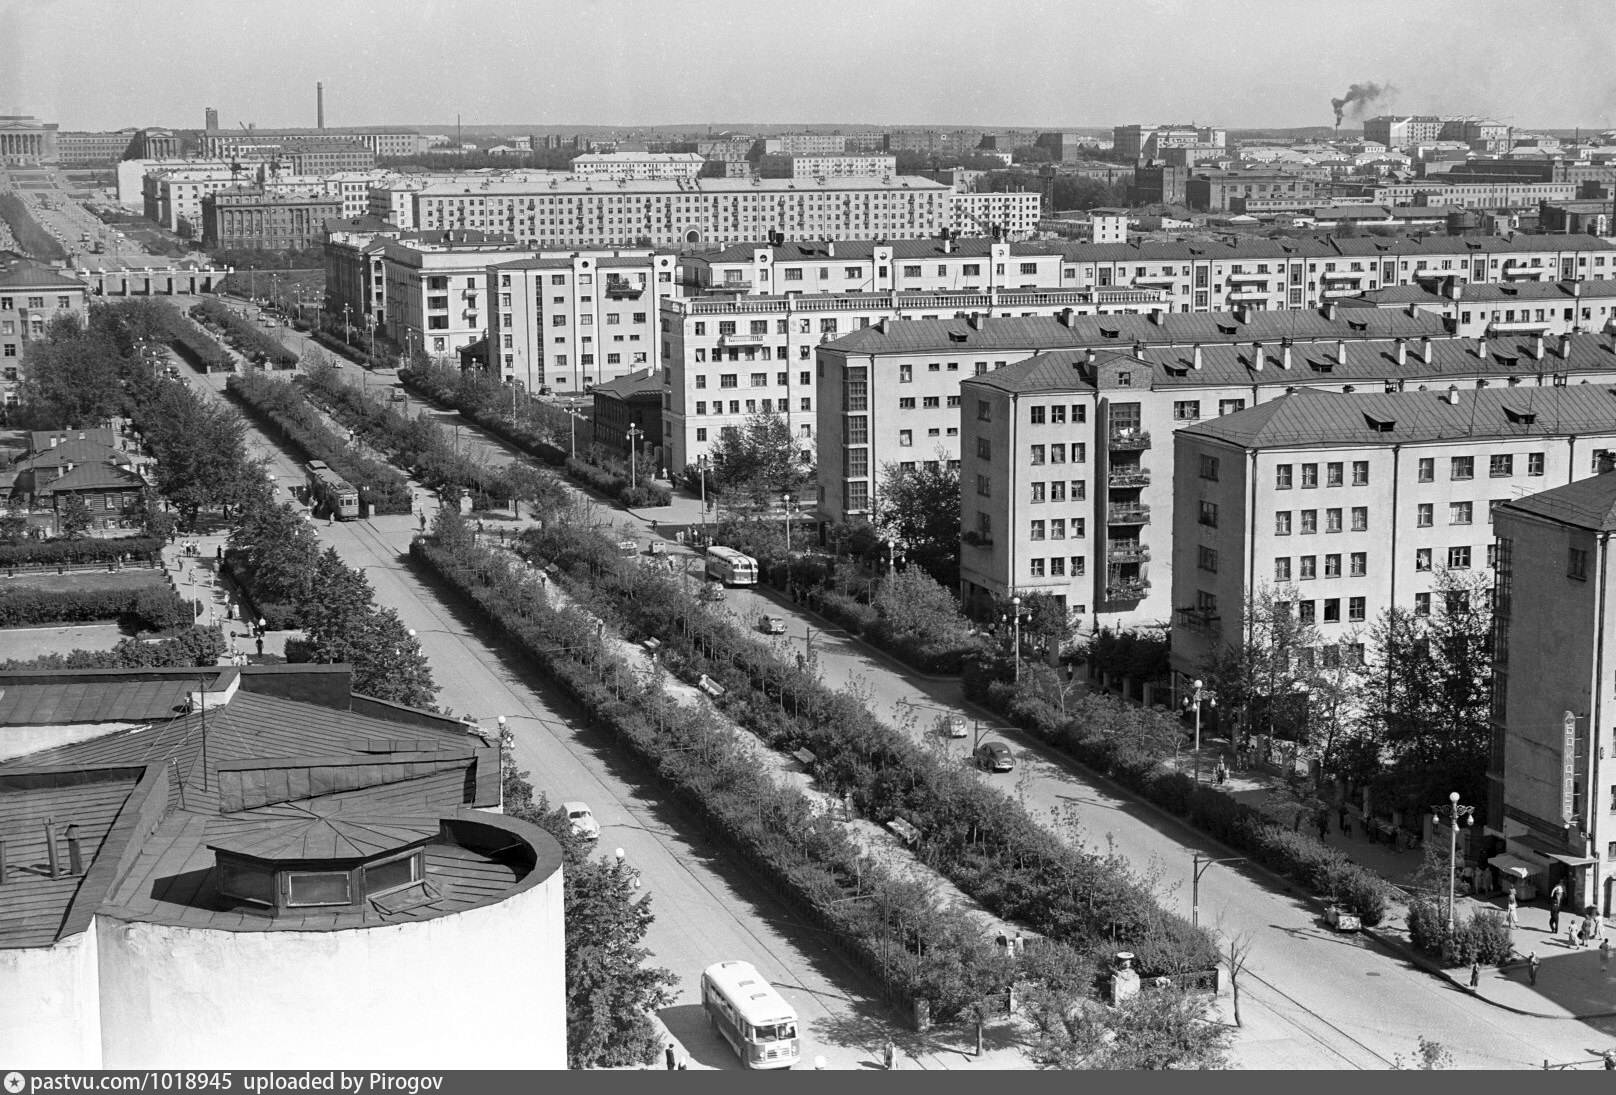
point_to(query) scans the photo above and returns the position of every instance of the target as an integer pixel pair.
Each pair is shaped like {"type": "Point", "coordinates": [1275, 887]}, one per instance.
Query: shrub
{"type": "Point", "coordinates": [156, 609]}
{"type": "Point", "coordinates": [161, 609]}
{"type": "Point", "coordinates": [249, 339]}
{"type": "Point", "coordinates": [59, 552]}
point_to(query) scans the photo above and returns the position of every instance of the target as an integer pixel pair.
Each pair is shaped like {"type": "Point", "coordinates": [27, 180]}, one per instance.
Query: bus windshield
{"type": "Point", "coordinates": [779, 1032]}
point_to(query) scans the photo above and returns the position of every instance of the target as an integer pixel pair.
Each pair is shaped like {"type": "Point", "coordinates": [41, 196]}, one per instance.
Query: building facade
{"type": "Point", "coordinates": [826, 166]}
{"type": "Point", "coordinates": [1229, 191]}
{"type": "Point", "coordinates": [629, 403]}
{"type": "Point", "coordinates": [649, 166]}
{"type": "Point", "coordinates": [435, 288]}
{"type": "Point", "coordinates": [26, 140]}
{"type": "Point", "coordinates": [94, 149]}
{"type": "Point", "coordinates": [31, 295]}
{"type": "Point", "coordinates": [1006, 215]}
{"type": "Point", "coordinates": [266, 220]}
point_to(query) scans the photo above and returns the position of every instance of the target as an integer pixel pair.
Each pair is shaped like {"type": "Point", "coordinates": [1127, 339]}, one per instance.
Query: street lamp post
{"type": "Point", "coordinates": [572, 431]}
{"type": "Point", "coordinates": [790, 507]}
{"type": "Point", "coordinates": [1015, 626]}
{"type": "Point", "coordinates": [633, 437]}
{"type": "Point", "coordinates": [701, 471]}
{"type": "Point", "coordinates": [1453, 812]}
{"type": "Point", "coordinates": [347, 328]}
{"type": "Point", "coordinates": [1201, 693]}
{"type": "Point", "coordinates": [1199, 864]}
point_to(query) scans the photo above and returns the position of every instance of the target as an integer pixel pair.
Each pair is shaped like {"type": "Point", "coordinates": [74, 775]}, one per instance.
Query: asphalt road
{"type": "Point", "coordinates": [706, 909]}
{"type": "Point", "coordinates": [69, 221]}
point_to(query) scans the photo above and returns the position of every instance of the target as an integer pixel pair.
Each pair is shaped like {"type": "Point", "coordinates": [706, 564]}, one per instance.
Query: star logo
{"type": "Point", "coordinates": [15, 1082]}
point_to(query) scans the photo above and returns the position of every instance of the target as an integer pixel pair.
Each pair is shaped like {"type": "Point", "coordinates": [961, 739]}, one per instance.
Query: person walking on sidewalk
{"type": "Point", "coordinates": [1531, 967]}
{"type": "Point", "coordinates": [1604, 956]}
{"type": "Point", "coordinates": [1511, 907]}
{"type": "Point", "coordinates": [1556, 897]}
{"type": "Point", "coordinates": [1475, 974]}
{"type": "Point", "coordinates": [1341, 818]}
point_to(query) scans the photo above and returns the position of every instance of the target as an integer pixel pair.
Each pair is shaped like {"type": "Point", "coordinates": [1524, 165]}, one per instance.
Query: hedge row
{"type": "Point", "coordinates": [533, 440]}
{"type": "Point", "coordinates": [1481, 937]}
{"type": "Point", "coordinates": [416, 443]}
{"type": "Point", "coordinates": [152, 609]}
{"type": "Point", "coordinates": [1296, 855]}
{"type": "Point", "coordinates": [894, 930]}
{"type": "Point", "coordinates": [247, 338]}
{"type": "Point", "coordinates": [980, 838]}
{"type": "Point", "coordinates": [196, 345]}
{"type": "Point", "coordinates": [88, 550]}
{"type": "Point", "coordinates": [280, 402]}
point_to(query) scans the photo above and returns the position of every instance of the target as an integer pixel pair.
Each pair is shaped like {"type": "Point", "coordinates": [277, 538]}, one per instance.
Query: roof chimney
{"type": "Point", "coordinates": [53, 856]}
{"type": "Point", "coordinates": [1329, 310]}
{"type": "Point", "coordinates": [881, 325]}
{"type": "Point", "coordinates": [1481, 348]}
{"type": "Point", "coordinates": [1156, 316]}
{"type": "Point", "coordinates": [1455, 290]}
{"type": "Point", "coordinates": [974, 320]}
{"type": "Point", "coordinates": [830, 249]}
{"type": "Point", "coordinates": [1195, 356]}
{"type": "Point", "coordinates": [75, 854]}
{"type": "Point", "coordinates": [1402, 353]}
{"type": "Point", "coordinates": [1576, 289]}
{"type": "Point", "coordinates": [1257, 361]}
{"type": "Point", "coordinates": [948, 246]}
{"type": "Point", "coordinates": [1341, 351]}
{"type": "Point", "coordinates": [1065, 316]}
{"type": "Point", "coordinates": [1453, 395]}
{"type": "Point", "coordinates": [1088, 356]}
{"type": "Point", "coordinates": [1565, 344]}
{"type": "Point", "coordinates": [1425, 349]}
{"type": "Point", "coordinates": [1537, 348]}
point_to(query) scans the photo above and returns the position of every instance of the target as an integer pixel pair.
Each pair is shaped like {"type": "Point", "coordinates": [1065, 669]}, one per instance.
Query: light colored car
{"type": "Point", "coordinates": [952, 726]}
{"type": "Point", "coordinates": [772, 625]}
{"type": "Point", "coordinates": [583, 822]}
{"type": "Point", "coordinates": [994, 756]}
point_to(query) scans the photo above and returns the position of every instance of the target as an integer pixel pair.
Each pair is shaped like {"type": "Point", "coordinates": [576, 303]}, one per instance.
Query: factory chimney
{"type": "Point", "coordinates": [319, 105]}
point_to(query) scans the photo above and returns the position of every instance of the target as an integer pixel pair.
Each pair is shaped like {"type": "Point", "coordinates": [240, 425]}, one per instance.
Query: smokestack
{"type": "Point", "coordinates": [319, 106]}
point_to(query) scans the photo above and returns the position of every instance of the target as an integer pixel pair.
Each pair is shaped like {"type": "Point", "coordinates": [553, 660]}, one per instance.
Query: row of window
{"type": "Point", "coordinates": [751, 406]}
{"type": "Point", "coordinates": [1307, 611]}
{"type": "Point", "coordinates": [1334, 473]}
{"type": "Point", "coordinates": [1057, 528]}
{"type": "Point", "coordinates": [757, 380]}
{"type": "Point", "coordinates": [1059, 491]}
{"type": "Point", "coordinates": [1309, 523]}
{"type": "Point", "coordinates": [1074, 566]}
{"type": "Point", "coordinates": [906, 438]}
{"type": "Point", "coordinates": [769, 353]}
{"type": "Point", "coordinates": [1307, 567]}
{"type": "Point", "coordinates": [930, 402]}
{"type": "Point", "coordinates": [1189, 410]}
{"type": "Point", "coordinates": [1499, 466]}
{"type": "Point", "coordinates": [1057, 453]}
{"type": "Point", "coordinates": [9, 304]}
{"type": "Point", "coordinates": [730, 431]}
{"type": "Point", "coordinates": [1056, 414]}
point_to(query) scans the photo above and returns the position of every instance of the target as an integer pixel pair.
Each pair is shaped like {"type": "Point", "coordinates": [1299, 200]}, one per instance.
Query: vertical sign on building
{"type": "Point", "coordinates": [1569, 765]}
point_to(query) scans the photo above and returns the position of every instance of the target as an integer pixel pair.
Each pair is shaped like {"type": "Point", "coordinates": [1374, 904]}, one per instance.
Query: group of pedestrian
{"type": "Point", "coordinates": [1011, 948]}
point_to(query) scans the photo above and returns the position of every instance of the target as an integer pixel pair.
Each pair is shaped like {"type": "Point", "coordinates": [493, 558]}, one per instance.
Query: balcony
{"type": "Point", "coordinates": [1134, 514]}
{"type": "Point", "coordinates": [1255, 292]}
{"type": "Point", "coordinates": [1127, 551]}
{"type": "Point", "coordinates": [742, 340]}
{"type": "Point", "coordinates": [1127, 589]}
{"type": "Point", "coordinates": [1200, 620]}
{"type": "Point", "coordinates": [1235, 279]}
{"type": "Point", "coordinates": [617, 289]}
{"type": "Point", "coordinates": [1131, 439]}
{"type": "Point", "coordinates": [732, 286]}
{"type": "Point", "coordinates": [1132, 477]}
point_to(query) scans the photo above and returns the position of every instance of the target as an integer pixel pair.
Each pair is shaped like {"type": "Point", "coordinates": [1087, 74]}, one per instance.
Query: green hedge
{"type": "Point", "coordinates": [977, 836]}
{"type": "Point", "coordinates": [150, 609]}
{"type": "Point", "coordinates": [1480, 937]}
{"type": "Point", "coordinates": [88, 550]}
{"type": "Point", "coordinates": [1298, 856]}
{"type": "Point", "coordinates": [246, 337]}
{"type": "Point", "coordinates": [894, 931]}
{"type": "Point", "coordinates": [201, 349]}
{"type": "Point", "coordinates": [280, 402]}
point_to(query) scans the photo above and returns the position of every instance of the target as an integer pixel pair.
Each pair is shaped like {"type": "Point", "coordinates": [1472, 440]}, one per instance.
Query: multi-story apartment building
{"type": "Point", "coordinates": [353, 188]}
{"type": "Point", "coordinates": [436, 287]}
{"type": "Point", "coordinates": [326, 158]}
{"type": "Point", "coordinates": [1160, 184]}
{"type": "Point", "coordinates": [1148, 142]}
{"type": "Point", "coordinates": [31, 295]}
{"type": "Point", "coordinates": [1551, 797]}
{"type": "Point", "coordinates": [257, 219]}
{"type": "Point", "coordinates": [1144, 391]}
{"type": "Point", "coordinates": [1012, 215]}
{"type": "Point", "coordinates": [1504, 308]}
{"type": "Point", "coordinates": [1406, 131]}
{"type": "Point", "coordinates": [827, 166]}
{"type": "Point", "coordinates": [1494, 195]}
{"type": "Point", "coordinates": [937, 142]}
{"type": "Point", "coordinates": [805, 144]}
{"type": "Point", "coordinates": [172, 196]}
{"type": "Point", "coordinates": [864, 266]}
{"type": "Point", "coordinates": [659, 166]}
{"type": "Point", "coordinates": [572, 321]}
{"type": "Point", "coordinates": [1348, 505]}
{"type": "Point", "coordinates": [355, 273]}
{"type": "Point", "coordinates": [777, 335]}
{"type": "Point", "coordinates": [1232, 191]}
{"type": "Point", "coordinates": [1063, 147]}
{"type": "Point", "coordinates": [582, 213]}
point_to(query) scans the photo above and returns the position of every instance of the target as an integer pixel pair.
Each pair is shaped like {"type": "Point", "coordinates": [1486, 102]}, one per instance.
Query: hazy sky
{"type": "Point", "coordinates": [102, 64]}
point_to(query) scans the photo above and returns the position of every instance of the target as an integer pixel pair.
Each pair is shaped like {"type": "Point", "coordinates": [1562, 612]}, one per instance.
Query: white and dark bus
{"type": "Point", "coordinates": [731, 567]}
{"type": "Point", "coordinates": [753, 1018]}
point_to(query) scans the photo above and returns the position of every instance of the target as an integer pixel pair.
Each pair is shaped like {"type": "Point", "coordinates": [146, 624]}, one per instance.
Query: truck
{"type": "Point", "coordinates": [330, 492]}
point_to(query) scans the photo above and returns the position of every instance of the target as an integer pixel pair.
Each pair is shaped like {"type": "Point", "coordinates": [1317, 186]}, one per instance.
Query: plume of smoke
{"type": "Point", "coordinates": [1358, 97]}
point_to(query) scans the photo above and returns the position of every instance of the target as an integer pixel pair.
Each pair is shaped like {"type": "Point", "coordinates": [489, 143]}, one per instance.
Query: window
{"type": "Point", "coordinates": [1359, 561]}
{"type": "Point", "coordinates": [1282, 477]}
{"type": "Point", "coordinates": [1501, 466]}
{"type": "Point", "coordinates": [982, 486]}
{"type": "Point", "coordinates": [1037, 492]}
{"type": "Point", "coordinates": [1360, 518]}
{"type": "Point", "coordinates": [1209, 467]}
{"type": "Point", "coordinates": [1037, 454]}
{"type": "Point", "coordinates": [906, 373]}
{"type": "Point", "coordinates": [1458, 558]}
{"type": "Point", "coordinates": [1057, 528]}
{"type": "Point", "coordinates": [1282, 569]}
{"type": "Point", "coordinates": [760, 380]}
{"type": "Point", "coordinates": [1332, 474]}
{"type": "Point", "coordinates": [907, 403]}
{"type": "Point", "coordinates": [1305, 614]}
{"type": "Point", "coordinates": [1310, 476]}
{"type": "Point", "coordinates": [1534, 463]}
{"type": "Point", "coordinates": [1057, 454]}
{"type": "Point", "coordinates": [1332, 614]}
{"type": "Point", "coordinates": [1057, 567]}
{"type": "Point", "coordinates": [1462, 467]}
{"type": "Point", "coordinates": [1230, 406]}
{"type": "Point", "coordinates": [1310, 522]}
{"type": "Point", "coordinates": [1037, 531]}
{"type": "Point", "coordinates": [984, 412]}
{"type": "Point", "coordinates": [1036, 416]}
{"type": "Point", "coordinates": [1057, 413]}
{"type": "Point", "coordinates": [1332, 520]}
{"type": "Point", "coordinates": [984, 448]}
{"type": "Point", "coordinates": [1577, 565]}
{"type": "Point", "coordinates": [1422, 559]}
{"type": "Point", "coordinates": [1282, 523]}
{"type": "Point", "coordinates": [1459, 513]}
{"type": "Point", "coordinates": [1422, 604]}
{"type": "Point", "coordinates": [906, 438]}
{"type": "Point", "coordinates": [1186, 410]}
{"type": "Point", "coordinates": [1360, 473]}
{"type": "Point", "coordinates": [392, 875]}
{"type": "Point", "coordinates": [1207, 559]}
{"type": "Point", "coordinates": [1209, 514]}
{"type": "Point", "coordinates": [1035, 567]}
{"type": "Point", "coordinates": [1332, 566]}
{"type": "Point", "coordinates": [304, 888]}
{"type": "Point", "coordinates": [1427, 469]}
{"type": "Point", "coordinates": [930, 402]}
{"type": "Point", "coordinates": [728, 380]}
{"type": "Point", "coordinates": [1309, 567]}
{"type": "Point", "coordinates": [1057, 491]}
{"type": "Point", "coordinates": [793, 273]}
{"type": "Point", "coordinates": [1424, 515]}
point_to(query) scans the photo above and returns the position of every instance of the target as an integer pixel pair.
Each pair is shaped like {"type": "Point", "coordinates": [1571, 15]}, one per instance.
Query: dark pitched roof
{"type": "Point", "coordinates": [634, 384]}
{"type": "Point", "coordinates": [33, 275]}
{"type": "Point", "coordinates": [92, 477]}
{"type": "Point", "coordinates": [1587, 503]}
{"type": "Point", "coordinates": [39, 441]}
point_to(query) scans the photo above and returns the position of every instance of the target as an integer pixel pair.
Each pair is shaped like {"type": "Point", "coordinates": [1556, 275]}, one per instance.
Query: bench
{"type": "Point", "coordinates": [805, 757]}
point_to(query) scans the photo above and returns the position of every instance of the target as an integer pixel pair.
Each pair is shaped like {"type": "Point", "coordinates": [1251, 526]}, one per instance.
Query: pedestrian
{"type": "Point", "coordinates": [1556, 899]}
{"type": "Point", "coordinates": [1610, 1060]}
{"type": "Point", "coordinates": [1604, 956]}
{"type": "Point", "coordinates": [673, 1058]}
{"type": "Point", "coordinates": [889, 1054]}
{"type": "Point", "coordinates": [1021, 945]}
{"type": "Point", "coordinates": [1003, 943]}
{"type": "Point", "coordinates": [1323, 823]}
{"type": "Point", "coordinates": [1341, 817]}
{"type": "Point", "coordinates": [260, 646]}
{"type": "Point", "coordinates": [423, 520]}
{"type": "Point", "coordinates": [1531, 966]}
{"type": "Point", "coordinates": [1222, 772]}
{"type": "Point", "coordinates": [1511, 907]}
{"type": "Point", "coordinates": [1475, 974]}
{"type": "Point", "coordinates": [1573, 927]}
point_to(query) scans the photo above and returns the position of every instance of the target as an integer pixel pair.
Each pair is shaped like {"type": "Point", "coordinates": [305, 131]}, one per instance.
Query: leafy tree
{"type": "Point", "coordinates": [13, 524]}
{"type": "Point", "coordinates": [279, 550]}
{"type": "Point", "coordinates": [539, 488]}
{"type": "Point", "coordinates": [912, 605]}
{"type": "Point", "coordinates": [760, 460]}
{"type": "Point", "coordinates": [71, 377]}
{"type": "Point", "coordinates": [201, 450]}
{"type": "Point", "coordinates": [610, 990]}
{"type": "Point", "coordinates": [1153, 1029]}
{"type": "Point", "coordinates": [1426, 700]}
{"type": "Point", "coordinates": [920, 509]}
{"type": "Point", "coordinates": [1428, 1056]}
{"type": "Point", "coordinates": [75, 518]}
{"type": "Point", "coordinates": [341, 623]}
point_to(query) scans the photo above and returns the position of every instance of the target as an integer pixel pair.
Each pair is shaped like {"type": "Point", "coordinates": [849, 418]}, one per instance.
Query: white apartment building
{"type": "Point", "coordinates": [710, 344]}
{"type": "Point", "coordinates": [435, 288]}
{"type": "Point", "coordinates": [1506, 308]}
{"type": "Point", "coordinates": [1013, 215]}
{"type": "Point", "coordinates": [394, 201]}
{"type": "Point", "coordinates": [1351, 504]}
{"type": "Point", "coordinates": [565, 213]}
{"type": "Point", "coordinates": [806, 144]}
{"type": "Point", "coordinates": [353, 187]}
{"type": "Point", "coordinates": [1136, 397]}
{"type": "Point", "coordinates": [572, 321]}
{"type": "Point", "coordinates": [131, 186]}
{"type": "Point", "coordinates": [826, 166]}
{"type": "Point", "coordinates": [658, 166]}
{"type": "Point", "coordinates": [973, 264]}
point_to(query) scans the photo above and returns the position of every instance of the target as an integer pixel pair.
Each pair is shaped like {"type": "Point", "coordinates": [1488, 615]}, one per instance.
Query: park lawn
{"type": "Point", "coordinates": [132, 579]}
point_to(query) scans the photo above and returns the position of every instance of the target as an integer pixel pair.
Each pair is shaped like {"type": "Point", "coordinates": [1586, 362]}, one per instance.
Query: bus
{"type": "Point", "coordinates": [329, 490]}
{"type": "Point", "coordinates": [731, 567]}
{"type": "Point", "coordinates": [753, 1018]}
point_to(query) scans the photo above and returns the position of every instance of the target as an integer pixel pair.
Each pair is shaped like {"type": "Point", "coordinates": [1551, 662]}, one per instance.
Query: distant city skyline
{"type": "Point", "coordinates": [641, 64]}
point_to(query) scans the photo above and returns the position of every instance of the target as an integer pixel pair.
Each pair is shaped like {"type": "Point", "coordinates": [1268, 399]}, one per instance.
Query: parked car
{"type": "Point", "coordinates": [952, 726]}
{"type": "Point", "coordinates": [994, 756]}
{"type": "Point", "coordinates": [628, 547]}
{"type": "Point", "coordinates": [772, 625]}
{"type": "Point", "coordinates": [712, 591]}
{"type": "Point", "coordinates": [583, 822]}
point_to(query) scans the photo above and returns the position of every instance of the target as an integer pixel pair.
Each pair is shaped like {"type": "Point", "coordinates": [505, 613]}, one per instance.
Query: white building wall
{"type": "Point", "coordinates": [49, 1005]}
